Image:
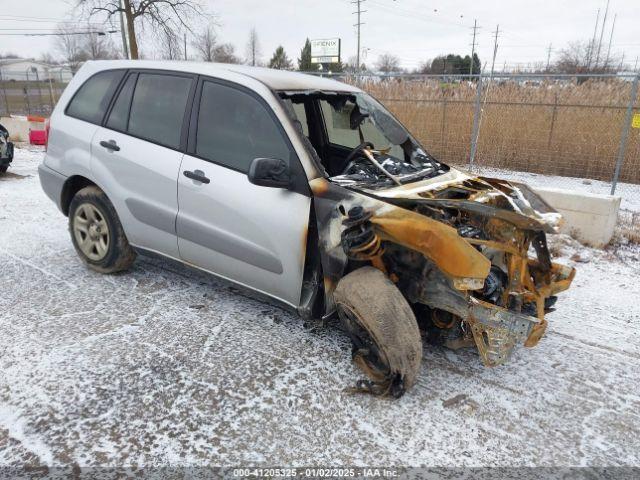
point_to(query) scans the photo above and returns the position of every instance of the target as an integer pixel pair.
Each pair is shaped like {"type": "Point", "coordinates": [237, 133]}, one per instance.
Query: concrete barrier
{"type": "Point", "coordinates": [18, 127]}
{"type": "Point", "coordinates": [588, 217]}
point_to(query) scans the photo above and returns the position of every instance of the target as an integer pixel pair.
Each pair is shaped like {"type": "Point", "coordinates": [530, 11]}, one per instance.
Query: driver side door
{"type": "Point", "coordinates": [253, 235]}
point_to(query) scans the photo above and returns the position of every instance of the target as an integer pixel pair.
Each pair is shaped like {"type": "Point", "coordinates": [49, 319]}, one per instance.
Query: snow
{"type": "Point", "coordinates": [163, 365]}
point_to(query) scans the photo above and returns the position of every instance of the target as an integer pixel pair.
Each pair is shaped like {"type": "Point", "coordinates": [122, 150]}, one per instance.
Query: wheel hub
{"type": "Point", "coordinates": [91, 231]}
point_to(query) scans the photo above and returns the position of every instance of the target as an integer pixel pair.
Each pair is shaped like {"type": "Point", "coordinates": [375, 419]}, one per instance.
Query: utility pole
{"type": "Point", "coordinates": [604, 21]}
{"type": "Point", "coordinates": [473, 46]}
{"type": "Point", "coordinates": [495, 48]}
{"type": "Point", "coordinates": [549, 49]}
{"type": "Point", "coordinates": [358, 12]}
{"type": "Point", "coordinates": [592, 45]}
{"type": "Point", "coordinates": [125, 48]}
{"type": "Point", "coordinates": [635, 66]}
{"type": "Point", "coordinates": [185, 45]}
{"type": "Point", "coordinates": [606, 62]}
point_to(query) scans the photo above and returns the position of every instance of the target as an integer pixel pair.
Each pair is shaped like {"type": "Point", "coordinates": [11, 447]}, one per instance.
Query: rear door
{"type": "Point", "coordinates": [137, 154]}
{"type": "Point", "coordinates": [69, 151]}
{"type": "Point", "coordinates": [253, 235]}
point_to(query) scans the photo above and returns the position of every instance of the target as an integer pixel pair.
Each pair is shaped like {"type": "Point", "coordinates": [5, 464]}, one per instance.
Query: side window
{"type": "Point", "coordinates": [158, 107]}
{"type": "Point", "coordinates": [92, 99]}
{"type": "Point", "coordinates": [234, 128]}
{"type": "Point", "coordinates": [120, 111]}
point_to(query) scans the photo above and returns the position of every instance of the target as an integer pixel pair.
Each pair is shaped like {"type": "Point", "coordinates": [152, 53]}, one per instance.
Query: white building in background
{"type": "Point", "coordinates": [28, 69]}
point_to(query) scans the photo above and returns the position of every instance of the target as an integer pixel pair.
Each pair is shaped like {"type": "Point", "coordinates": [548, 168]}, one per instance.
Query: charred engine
{"type": "Point", "coordinates": [517, 288]}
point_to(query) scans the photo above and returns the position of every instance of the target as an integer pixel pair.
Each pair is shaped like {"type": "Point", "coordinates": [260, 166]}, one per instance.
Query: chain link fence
{"type": "Point", "coordinates": [575, 132]}
{"type": "Point", "coordinates": [27, 94]}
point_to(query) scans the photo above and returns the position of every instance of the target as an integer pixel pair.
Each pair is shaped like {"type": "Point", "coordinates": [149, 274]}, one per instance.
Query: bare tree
{"type": "Point", "coordinates": [98, 46]}
{"type": "Point", "coordinates": [205, 44]}
{"type": "Point", "coordinates": [576, 58]}
{"type": "Point", "coordinates": [170, 46]}
{"type": "Point", "coordinates": [77, 47]}
{"type": "Point", "coordinates": [68, 44]}
{"type": "Point", "coordinates": [388, 63]}
{"type": "Point", "coordinates": [164, 16]}
{"type": "Point", "coordinates": [225, 53]}
{"type": "Point", "coordinates": [48, 58]}
{"type": "Point", "coordinates": [253, 48]}
{"type": "Point", "coordinates": [351, 66]}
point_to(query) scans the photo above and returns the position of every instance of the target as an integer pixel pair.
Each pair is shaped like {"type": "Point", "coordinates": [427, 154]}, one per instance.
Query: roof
{"type": "Point", "coordinates": [274, 79]}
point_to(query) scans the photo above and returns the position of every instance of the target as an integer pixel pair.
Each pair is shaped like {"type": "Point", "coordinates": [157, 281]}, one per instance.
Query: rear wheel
{"type": "Point", "coordinates": [3, 168]}
{"type": "Point", "coordinates": [96, 232]}
{"type": "Point", "coordinates": [383, 330]}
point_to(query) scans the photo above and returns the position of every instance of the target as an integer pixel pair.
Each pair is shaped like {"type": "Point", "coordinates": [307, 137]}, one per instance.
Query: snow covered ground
{"type": "Point", "coordinates": [166, 366]}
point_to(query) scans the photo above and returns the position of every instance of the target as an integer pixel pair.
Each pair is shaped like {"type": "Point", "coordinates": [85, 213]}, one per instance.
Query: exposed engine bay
{"type": "Point", "coordinates": [469, 255]}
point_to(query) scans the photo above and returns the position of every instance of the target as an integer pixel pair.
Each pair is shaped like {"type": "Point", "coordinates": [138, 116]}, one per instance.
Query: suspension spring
{"type": "Point", "coordinates": [359, 239]}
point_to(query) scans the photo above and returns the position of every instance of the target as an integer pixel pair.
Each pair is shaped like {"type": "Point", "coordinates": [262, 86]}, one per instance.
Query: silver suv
{"type": "Point", "coordinates": [309, 192]}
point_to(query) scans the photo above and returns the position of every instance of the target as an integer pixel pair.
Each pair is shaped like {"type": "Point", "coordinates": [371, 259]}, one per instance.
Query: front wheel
{"type": "Point", "coordinates": [96, 232]}
{"type": "Point", "coordinates": [383, 330]}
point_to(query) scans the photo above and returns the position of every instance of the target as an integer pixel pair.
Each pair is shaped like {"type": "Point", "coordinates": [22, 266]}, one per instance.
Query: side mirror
{"type": "Point", "coordinates": [269, 172]}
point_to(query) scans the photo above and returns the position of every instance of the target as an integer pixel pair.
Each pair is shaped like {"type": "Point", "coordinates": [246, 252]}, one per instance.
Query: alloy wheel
{"type": "Point", "coordinates": [91, 231]}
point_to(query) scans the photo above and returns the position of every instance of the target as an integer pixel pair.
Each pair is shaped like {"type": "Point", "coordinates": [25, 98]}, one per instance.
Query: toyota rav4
{"type": "Point", "coordinates": [310, 193]}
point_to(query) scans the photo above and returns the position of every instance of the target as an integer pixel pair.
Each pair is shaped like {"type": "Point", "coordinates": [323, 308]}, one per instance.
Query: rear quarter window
{"type": "Point", "coordinates": [92, 99]}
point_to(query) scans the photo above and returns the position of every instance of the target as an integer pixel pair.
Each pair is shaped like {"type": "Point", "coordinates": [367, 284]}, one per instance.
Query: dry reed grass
{"type": "Point", "coordinates": [554, 128]}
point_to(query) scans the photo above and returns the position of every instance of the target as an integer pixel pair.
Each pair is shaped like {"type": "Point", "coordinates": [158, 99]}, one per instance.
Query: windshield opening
{"type": "Point", "coordinates": [358, 141]}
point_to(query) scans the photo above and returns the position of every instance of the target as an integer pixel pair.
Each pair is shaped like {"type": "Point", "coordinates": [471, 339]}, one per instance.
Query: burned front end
{"type": "Point", "coordinates": [469, 254]}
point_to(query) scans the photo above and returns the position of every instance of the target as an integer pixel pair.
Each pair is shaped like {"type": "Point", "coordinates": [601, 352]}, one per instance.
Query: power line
{"type": "Point", "coordinates": [592, 46]}
{"type": "Point", "coordinates": [604, 22]}
{"type": "Point", "coordinates": [358, 24]}
{"type": "Point", "coordinates": [495, 48]}
{"type": "Point", "coordinates": [473, 45]}
{"type": "Point", "coordinates": [33, 20]}
{"type": "Point", "coordinates": [42, 34]}
{"type": "Point", "coordinates": [413, 14]}
{"type": "Point", "coordinates": [613, 26]}
{"type": "Point", "coordinates": [125, 47]}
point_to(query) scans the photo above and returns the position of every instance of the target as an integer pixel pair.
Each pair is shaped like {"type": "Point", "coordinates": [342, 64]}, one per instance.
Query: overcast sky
{"type": "Point", "coordinates": [414, 30]}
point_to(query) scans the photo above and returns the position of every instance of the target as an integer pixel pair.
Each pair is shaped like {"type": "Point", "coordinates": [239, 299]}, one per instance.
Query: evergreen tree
{"type": "Point", "coordinates": [280, 60]}
{"type": "Point", "coordinates": [304, 62]}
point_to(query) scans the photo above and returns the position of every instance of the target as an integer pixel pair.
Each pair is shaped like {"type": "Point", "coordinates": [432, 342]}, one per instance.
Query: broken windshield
{"type": "Point", "coordinates": [363, 144]}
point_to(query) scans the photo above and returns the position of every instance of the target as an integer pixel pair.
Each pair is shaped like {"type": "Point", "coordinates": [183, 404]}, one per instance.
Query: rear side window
{"type": "Point", "coordinates": [234, 128]}
{"type": "Point", "coordinates": [158, 108]}
{"type": "Point", "coordinates": [92, 99]}
{"type": "Point", "coordinates": [120, 111]}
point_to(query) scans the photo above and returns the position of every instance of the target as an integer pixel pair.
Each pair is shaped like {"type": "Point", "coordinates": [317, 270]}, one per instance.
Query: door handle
{"type": "Point", "coordinates": [110, 145]}
{"type": "Point", "coordinates": [197, 175]}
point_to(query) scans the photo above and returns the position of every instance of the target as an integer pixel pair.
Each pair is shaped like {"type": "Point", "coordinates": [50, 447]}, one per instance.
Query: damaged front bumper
{"type": "Point", "coordinates": [495, 330]}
